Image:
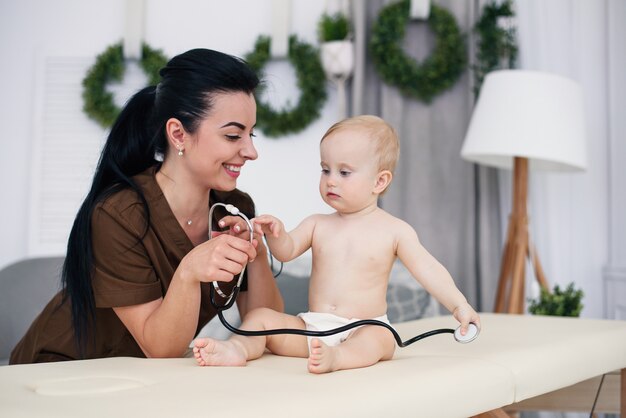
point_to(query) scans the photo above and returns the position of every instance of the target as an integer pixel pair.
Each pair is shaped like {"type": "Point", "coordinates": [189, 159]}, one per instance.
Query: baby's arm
{"type": "Point", "coordinates": [434, 277]}
{"type": "Point", "coordinates": [285, 246]}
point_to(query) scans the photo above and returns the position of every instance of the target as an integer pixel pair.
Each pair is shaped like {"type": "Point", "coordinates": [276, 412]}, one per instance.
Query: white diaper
{"type": "Point", "coordinates": [319, 321]}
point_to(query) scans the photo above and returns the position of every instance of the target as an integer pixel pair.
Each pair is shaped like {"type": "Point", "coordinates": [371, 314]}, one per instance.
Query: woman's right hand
{"type": "Point", "coordinates": [218, 259]}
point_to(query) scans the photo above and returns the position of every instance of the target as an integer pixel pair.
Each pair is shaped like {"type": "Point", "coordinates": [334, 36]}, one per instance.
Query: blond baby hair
{"type": "Point", "coordinates": [383, 134]}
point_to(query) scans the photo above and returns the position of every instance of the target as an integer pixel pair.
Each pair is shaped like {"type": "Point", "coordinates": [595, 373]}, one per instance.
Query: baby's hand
{"type": "Point", "coordinates": [464, 313]}
{"type": "Point", "coordinates": [268, 224]}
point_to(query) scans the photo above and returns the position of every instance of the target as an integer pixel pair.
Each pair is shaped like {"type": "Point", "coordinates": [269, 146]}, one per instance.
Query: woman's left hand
{"type": "Point", "coordinates": [236, 226]}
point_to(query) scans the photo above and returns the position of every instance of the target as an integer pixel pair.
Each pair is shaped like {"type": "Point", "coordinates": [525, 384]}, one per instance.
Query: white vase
{"type": "Point", "coordinates": [337, 58]}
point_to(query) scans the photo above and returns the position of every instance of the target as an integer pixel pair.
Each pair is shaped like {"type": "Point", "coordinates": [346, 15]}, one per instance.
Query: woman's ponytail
{"type": "Point", "coordinates": [129, 150]}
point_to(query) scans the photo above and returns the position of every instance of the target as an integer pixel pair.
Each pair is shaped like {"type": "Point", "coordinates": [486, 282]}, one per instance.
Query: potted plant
{"type": "Point", "coordinates": [559, 303]}
{"type": "Point", "coordinates": [334, 27]}
{"type": "Point", "coordinates": [337, 51]}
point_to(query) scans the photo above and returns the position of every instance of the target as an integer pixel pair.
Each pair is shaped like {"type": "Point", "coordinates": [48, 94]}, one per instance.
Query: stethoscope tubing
{"type": "Point", "coordinates": [230, 300]}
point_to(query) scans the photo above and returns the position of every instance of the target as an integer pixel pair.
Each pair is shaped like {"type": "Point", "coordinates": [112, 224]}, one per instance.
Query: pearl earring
{"type": "Point", "coordinates": [180, 152]}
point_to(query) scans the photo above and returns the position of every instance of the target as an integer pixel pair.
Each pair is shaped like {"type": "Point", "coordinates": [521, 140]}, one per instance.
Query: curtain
{"type": "Point", "coordinates": [452, 204]}
{"type": "Point", "coordinates": [572, 220]}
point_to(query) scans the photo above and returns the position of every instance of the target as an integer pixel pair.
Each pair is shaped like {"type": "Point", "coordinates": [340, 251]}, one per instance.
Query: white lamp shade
{"type": "Point", "coordinates": [528, 114]}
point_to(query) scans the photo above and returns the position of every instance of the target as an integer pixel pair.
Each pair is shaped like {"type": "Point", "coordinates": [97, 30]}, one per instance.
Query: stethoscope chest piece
{"type": "Point", "coordinates": [470, 335]}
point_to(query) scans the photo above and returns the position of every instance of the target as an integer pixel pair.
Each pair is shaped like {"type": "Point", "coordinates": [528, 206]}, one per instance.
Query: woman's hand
{"type": "Point", "coordinates": [219, 259]}
{"type": "Point", "coordinates": [238, 227]}
{"type": "Point", "coordinates": [262, 289]}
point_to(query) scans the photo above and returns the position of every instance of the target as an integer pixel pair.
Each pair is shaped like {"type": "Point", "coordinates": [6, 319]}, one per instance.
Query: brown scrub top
{"type": "Point", "coordinates": [130, 268]}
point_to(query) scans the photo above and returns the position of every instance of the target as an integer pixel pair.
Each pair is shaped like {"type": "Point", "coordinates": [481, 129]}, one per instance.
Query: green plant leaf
{"type": "Point", "coordinates": [566, 302]}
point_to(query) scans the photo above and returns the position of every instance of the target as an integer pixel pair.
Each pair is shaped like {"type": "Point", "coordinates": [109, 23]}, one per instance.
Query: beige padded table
{"type": "Point", "coordinates": [514, 358]}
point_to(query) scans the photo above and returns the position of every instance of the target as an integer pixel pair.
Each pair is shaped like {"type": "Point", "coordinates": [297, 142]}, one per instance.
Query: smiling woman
{"type": "Point", "coordinates": [216, 150]}
{"type": "Point", "coordinates": [138, 266]}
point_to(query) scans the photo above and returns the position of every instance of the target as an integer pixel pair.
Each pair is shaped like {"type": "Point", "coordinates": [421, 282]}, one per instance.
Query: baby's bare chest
{"type": "Point", "coordinates": [344, 243]}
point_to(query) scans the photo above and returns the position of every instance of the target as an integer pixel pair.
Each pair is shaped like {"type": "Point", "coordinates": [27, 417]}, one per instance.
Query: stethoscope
{"type": "Point", "coordinates": [470, 335]}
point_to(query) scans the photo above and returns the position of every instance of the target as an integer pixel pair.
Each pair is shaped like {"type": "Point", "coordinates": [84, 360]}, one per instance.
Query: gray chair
{"type": "Point", "coordinates": [25, 288]}
{"type": "Point", "coordinates": [295, 291]}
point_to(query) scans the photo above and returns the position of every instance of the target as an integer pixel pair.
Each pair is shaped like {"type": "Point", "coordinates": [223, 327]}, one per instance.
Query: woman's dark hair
{"type": "Point", "coordinates": [186, 91]}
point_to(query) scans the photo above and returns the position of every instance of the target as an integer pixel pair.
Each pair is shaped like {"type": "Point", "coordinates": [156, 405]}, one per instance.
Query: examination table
{"type": "Point", "coordinates": [515, 358]}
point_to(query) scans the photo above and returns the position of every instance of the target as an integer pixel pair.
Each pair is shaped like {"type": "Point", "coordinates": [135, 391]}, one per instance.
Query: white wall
{"type": "Point", "coordinates": [283, 180]}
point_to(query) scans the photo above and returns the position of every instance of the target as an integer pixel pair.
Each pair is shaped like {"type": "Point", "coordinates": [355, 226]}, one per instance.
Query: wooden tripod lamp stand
{"type": "Point", "coordinates": [525, 120]}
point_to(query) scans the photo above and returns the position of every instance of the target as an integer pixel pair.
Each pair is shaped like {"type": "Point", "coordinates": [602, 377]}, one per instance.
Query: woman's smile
{"type": "Point", "coordinates": [233, 170]}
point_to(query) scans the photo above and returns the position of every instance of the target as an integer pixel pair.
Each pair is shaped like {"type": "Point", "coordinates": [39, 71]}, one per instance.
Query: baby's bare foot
{"type": "Point", "coordinates": [321, 357]}
{"type": "Point", "coordinates": [210, 352]}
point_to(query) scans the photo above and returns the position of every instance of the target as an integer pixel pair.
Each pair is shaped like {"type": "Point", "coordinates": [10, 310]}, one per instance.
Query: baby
{"type": "Point", "coordinates": [353, 250]}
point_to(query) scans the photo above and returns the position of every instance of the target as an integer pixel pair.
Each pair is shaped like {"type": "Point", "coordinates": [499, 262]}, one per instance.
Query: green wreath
{"type": "Point", "coordinates": [311, 81]}
{"type": "Point", "coordinates": [436, 73]}
{"type": "Point", "coordinates": [98, 102]}
{"type": "Point", "coordinates": [495, 44]}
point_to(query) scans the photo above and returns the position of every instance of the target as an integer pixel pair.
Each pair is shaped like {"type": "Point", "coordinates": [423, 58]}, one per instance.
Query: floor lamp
{"type": "Point", "coordinates": [525, 120]}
